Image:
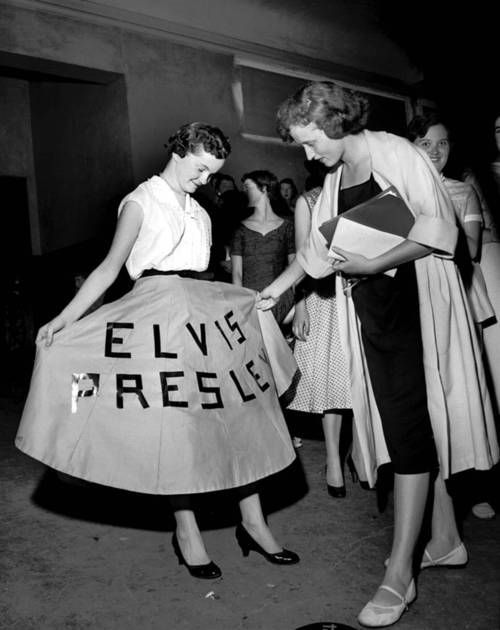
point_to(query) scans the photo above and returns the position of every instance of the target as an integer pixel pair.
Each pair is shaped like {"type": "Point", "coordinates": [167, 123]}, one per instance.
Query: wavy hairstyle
{"type": "Point", "coordinates": [265, 180]}
{"type": "Point", "coordinates": [190, 137]}
{"type": "Point", "coordinates": [338, 111]}
{"type": "Point", "coordinates": [420, 125]}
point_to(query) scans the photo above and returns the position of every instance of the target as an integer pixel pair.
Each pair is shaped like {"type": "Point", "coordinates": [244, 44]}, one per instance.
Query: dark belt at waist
{"type": "Point", "coordinates": [183, 273]}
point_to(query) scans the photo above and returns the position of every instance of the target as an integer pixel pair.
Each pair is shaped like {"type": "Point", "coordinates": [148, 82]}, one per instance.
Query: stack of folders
{"type": "Point", "coordinates": [370, 228]}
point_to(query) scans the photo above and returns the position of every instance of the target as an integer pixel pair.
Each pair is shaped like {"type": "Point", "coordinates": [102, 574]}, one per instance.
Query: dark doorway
{"type": "Point", "coordinates": [15, 243]}
{"type": "Point", "coordinates": [66, 164]}
{"type": "Point", "coordinates": [17, 316]}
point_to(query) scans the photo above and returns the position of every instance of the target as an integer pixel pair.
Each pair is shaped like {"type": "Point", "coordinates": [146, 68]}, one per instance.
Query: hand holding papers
{"type": "Point", "coordinates": [370, 228]}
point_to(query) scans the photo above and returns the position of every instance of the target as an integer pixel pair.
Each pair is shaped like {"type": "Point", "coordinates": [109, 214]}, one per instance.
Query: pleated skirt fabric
{"type": "Point", "coordinates": [168, 390]}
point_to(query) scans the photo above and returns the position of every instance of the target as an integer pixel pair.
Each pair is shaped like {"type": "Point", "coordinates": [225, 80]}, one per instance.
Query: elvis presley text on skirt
{"type": "Point", "coordinates": [168, 390]}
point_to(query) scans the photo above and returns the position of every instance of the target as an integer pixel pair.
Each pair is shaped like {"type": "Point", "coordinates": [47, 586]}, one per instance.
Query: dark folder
{"type": "Point", "coordinates": [386, 212]}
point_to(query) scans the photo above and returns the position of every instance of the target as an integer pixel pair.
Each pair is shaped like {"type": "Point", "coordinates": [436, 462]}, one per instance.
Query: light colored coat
{"type": "Point", "coordinates": [458, 400]}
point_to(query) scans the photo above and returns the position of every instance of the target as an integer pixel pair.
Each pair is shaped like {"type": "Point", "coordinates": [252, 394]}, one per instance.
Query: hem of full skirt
{"type": "Point", "coordinates": [91, 478]}
{"type": "Point", "coordinates": [331, 408]}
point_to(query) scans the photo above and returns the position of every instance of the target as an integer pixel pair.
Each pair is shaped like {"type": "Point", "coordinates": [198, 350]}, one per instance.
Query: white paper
{"type": "Point", "coordinates": [360, 239]}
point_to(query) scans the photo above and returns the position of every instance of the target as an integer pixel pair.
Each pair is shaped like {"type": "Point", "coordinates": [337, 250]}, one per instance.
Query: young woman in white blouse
{"type": "Point", "coordinates": [164, 391]}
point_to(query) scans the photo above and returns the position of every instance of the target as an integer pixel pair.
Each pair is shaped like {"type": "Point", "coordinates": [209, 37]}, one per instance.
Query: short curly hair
{"type": "Point", "coordinates": [190, 137]}
{"type": "Point", "coordinates": [338, 111]}
{"type": "Point", "coordinates": [420, 125]}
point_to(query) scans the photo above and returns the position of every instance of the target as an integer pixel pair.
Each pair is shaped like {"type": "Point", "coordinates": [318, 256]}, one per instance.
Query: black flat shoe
{"type": "Point", "coordinates": [337, 492]}
{"type": "Point", "coordinates": [247, 544]}
{"type": "Point", "coordinates": [209, 571]}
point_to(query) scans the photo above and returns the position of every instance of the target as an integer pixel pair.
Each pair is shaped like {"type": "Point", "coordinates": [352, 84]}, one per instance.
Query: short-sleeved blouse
{"type": "Point", "coordinates": [468, 209]}
{"type": "Point", "coordinates": [171, 237]}
{"type": "Point", "coordinates": [264, 256]}
{"type": "Point", "coordinates": [465, 200]}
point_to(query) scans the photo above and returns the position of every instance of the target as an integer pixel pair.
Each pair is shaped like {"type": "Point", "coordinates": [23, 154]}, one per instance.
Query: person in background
{"type": "Point", "coordinates": [486, 182]}
{"type": "Point", "coordinates": [324, 386]}
{"type": "Point", "coordinates": [431, 134]}
{"type": "Point", "coordinates": [222, 182]}
{"type": "Point", "coordinates": [226, 212]}
{"type": "Point", "coordinates": [487, 186]}
{"type": "Point", "coordinates": [409, 338]}
{"type": "Point", "coordinates": [263, 244]}
{"type": "Point", "coordinates": [135, 413]}
{"type": "Point", "coordinates": [289, 193]}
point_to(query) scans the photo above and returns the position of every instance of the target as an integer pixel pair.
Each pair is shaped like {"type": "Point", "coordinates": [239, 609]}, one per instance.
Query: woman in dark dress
{"type": "Point", "coordinates": [408, 335]}
{"type": "Point", "coordinates": [263, 245]}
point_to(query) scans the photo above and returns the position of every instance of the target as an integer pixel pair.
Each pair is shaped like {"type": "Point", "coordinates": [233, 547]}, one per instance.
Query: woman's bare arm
{"type": "Point", "coordinates": [127, 230]}
{"type": "Point", "coordinates": [358, 265]}
{"type": "Point", "coordinates": [237, 269]}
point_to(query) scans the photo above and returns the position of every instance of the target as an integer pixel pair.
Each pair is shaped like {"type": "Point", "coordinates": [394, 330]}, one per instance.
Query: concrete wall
{"type": "Point", "coordinates": [170, 84]}
{"type": "Point", "coordinates": [176, 59]}
{"type": "Point", "coordinates": [15, 128]}
{"type": "Point", "coordinates": [345, 32]}
{"type": "Point", "coordinates": [16, 148]}
{"type": "Point", "coordinates": [82, 158]}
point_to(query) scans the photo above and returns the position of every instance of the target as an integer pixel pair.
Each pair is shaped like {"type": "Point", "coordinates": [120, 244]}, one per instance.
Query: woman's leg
{"type": "Point", "coordinates": [445, 535]}
{"type": "Point", "coordinates": [332, 423]}
{"type": "Point", "coordinates": [189, 538]}
{"type": "Point", "coordinates": [254, 522]}
{"type": "Point", "coordinates": [410, 497]}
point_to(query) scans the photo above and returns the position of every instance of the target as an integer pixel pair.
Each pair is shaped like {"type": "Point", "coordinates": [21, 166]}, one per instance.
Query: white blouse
{"type": "Point", "coordinates": [171, 237]}
{"type": "Point", "coordinates": [465, 200]}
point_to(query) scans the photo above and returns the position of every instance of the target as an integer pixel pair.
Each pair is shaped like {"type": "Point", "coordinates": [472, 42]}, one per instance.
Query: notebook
{"type": "Point", "coordinates": [370, 228]}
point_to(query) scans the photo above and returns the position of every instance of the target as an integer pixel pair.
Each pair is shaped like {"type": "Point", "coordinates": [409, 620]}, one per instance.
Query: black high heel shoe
{"type": "Point", "coordinates": [247, 544]}
{"type": "Point", "coordinates": [352, 469]}
{"type": "Point", "coordinates": [354, 474]}
{"type": "Point", "coordinates": [209, 571]}
{"type": "Point", "coordinates": [337, 492]}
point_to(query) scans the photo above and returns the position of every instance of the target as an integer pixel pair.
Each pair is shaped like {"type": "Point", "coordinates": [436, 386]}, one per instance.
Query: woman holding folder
{"type": "Point", "coordinates": [418, 389]}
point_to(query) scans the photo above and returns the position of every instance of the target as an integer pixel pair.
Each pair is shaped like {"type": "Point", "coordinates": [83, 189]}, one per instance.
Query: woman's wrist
{"type": "Point", "coordinates": [273, 291]}
{"type": "Point", "coordinates": [67, 316]}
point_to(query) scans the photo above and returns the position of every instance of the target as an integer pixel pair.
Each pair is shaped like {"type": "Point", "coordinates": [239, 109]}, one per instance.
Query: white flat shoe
{"type": "Point", "coordinates": [377, 616]}
{"type": "Point", "coordinates": [456, 558]}
{"type": "Point", "coordinates": [483, 510]}
{"type": "Point", "coordinates": [297, 442]}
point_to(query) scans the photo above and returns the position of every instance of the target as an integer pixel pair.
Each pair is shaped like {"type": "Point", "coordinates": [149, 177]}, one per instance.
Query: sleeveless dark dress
{"type": "Point", "coordinates": [388, 310]}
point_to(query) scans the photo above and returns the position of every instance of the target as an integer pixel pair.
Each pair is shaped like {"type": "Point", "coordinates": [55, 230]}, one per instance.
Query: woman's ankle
{"type": "Point", "coordinates": [334, 473]}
